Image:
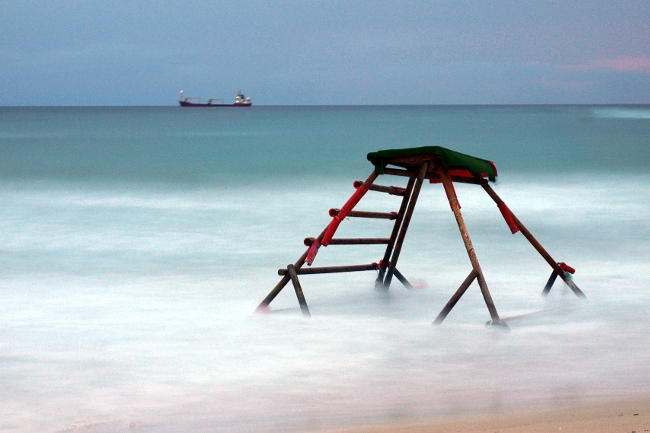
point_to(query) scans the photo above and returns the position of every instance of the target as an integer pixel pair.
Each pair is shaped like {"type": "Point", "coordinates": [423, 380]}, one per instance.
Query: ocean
{"type": "Point", "coordinates": [136, 242]}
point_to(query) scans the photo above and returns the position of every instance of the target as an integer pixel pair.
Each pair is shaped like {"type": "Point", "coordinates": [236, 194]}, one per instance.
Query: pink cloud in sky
{"type": "Point", "coordinates": [574, 86]}
{"type": "Point", "coordinates": [625, 64]}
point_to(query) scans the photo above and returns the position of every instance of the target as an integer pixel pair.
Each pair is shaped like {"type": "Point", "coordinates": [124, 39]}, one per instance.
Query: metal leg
{"type": "Point", "coordinates": [273, 293]}
{"type": "Point", "coordinates": [566, 277]}
{"type": "Point", "coordinates": [402, 279]}
{"type": "Point", "coordinates": [455, 297]}
{"type": "Point", "coordinates": [405, 224]}
{"type": "Point", "coordinates": [379, 283]}
{"type": "Point", "coordinates": [455, 207]}
{"type": "Point", "coordinates": [549, 283]}
{"type": "Point", "coordinates": [291, 270]}
{"type": "Point", "coordinates": [535, 243]}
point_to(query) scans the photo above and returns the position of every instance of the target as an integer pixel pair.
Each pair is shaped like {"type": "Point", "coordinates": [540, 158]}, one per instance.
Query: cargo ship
{"type": "Point", "coordinates": [241, 100]}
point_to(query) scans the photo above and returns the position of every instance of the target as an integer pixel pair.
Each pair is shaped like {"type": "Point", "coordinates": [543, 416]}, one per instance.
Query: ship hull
{"type": "Point", "coordinates": [192, 104]}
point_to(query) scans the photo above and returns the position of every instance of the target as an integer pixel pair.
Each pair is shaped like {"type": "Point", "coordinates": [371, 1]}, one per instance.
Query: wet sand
{"type": "Point", "coordinates": [630, 415]}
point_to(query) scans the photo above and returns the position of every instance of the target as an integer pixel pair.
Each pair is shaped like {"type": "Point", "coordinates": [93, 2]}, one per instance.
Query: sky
{"type": "Point", "coordinates": [352, 52]}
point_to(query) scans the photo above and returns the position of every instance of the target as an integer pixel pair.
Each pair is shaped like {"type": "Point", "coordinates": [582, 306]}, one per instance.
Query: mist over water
{"type": "Point", "coordinates": [136, 242]}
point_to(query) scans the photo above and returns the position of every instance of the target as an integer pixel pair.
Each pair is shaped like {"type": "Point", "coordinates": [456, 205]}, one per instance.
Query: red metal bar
{"type": "Point", "coordinates": [334, 224]}
{"type": "Point", "coordinates": [346, 208]}
{"type": "Point", "coordinates": [566, 268]}
{"type": "Point", "coordinates": [312, 251]}
{"type": "Point", "coordinates": [507, 215]}
{"type": "Point", "coordinates": [331, 229]}
{"type": "Point", "coordinates": [353, 200]}
{"type": "Point", "coordinates": [535, 243]}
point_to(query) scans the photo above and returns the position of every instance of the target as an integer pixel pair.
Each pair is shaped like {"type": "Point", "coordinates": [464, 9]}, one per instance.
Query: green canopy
{"type": "Point", "coordinates": [450, 158]}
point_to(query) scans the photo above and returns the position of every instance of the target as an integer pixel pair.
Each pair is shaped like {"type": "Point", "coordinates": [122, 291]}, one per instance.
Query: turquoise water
{"type": "Point", "coordinates": [202, 146]}
{"type": "Point", "coordinates": [135, 243]}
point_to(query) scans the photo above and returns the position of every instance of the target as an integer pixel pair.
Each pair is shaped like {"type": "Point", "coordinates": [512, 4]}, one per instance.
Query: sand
{"type": "Point", "coordinates": [630, 415]}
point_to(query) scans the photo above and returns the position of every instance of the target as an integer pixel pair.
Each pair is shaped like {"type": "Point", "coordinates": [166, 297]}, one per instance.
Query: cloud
{"type": "Point", "coordinates": [575, 86]}
{"type": "Point", "coordinates": [634, 64]}
{"type": "Point", "coordinates": [625, 64]}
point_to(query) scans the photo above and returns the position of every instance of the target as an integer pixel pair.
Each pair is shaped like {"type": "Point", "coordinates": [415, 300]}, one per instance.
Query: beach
{"type": "Point", "coordinates": [137, 242]}
{"type": "Point", "coordinates": [630, 415]}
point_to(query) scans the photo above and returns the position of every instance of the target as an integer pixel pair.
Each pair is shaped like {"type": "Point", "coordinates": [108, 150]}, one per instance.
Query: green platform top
{"type": "Point", "coordinates": [451, 159]}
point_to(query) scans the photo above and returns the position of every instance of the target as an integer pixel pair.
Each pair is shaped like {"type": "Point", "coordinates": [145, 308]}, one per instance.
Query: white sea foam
{"type": "Point", "coordinates": [126, 304]}
{"type": "Point", "coordinates": [622, 113]}
{"type": "Point", "coordinates": [137, 314]}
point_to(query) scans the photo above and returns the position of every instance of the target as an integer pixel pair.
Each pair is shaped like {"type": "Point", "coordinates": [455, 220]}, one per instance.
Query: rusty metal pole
{"type": "Point", "coordinates": [535, 243]}
{"type": "Point", "coordinates": [402, 279]}
{"type": "Point", "coordinates": [379, 283]}
{"type": "Point", "coordinates": [405, 224]}
{"type": "Point", "coordinates": [455, 297]}
{"type": "Point", "coordinates": [455, 207]}
{"type": "Point", "coordinates": [285, 279]}
{"type": "Point", "coordinates": [291, 270]}
{"type": "Point", "coordinates": [549, 283]}
{"type": "Point", "coordinates": [275, 291]}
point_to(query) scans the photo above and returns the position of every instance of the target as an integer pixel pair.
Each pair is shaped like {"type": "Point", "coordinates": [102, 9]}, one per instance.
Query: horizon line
{"type": "Point", "coordinates": [577, 104]}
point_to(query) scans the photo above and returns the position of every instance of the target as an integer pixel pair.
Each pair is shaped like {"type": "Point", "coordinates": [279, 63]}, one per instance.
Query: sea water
{"type": "Point", "coordinates": [135, 244]}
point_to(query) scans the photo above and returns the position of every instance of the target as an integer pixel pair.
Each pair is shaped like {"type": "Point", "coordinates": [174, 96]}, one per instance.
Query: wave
{"type": "Point", "coordinates": [621, 113]}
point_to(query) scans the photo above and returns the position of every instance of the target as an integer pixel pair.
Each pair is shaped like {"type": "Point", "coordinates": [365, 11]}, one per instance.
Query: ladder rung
{"type": "Point", "coordinates": [333, 269]}
{"type": "Point", "coordinates": [351, 241]}
{"type": "Point", "coordinates": [393, 190]}
{"type": "Point", "coordinates": [364, 214]}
